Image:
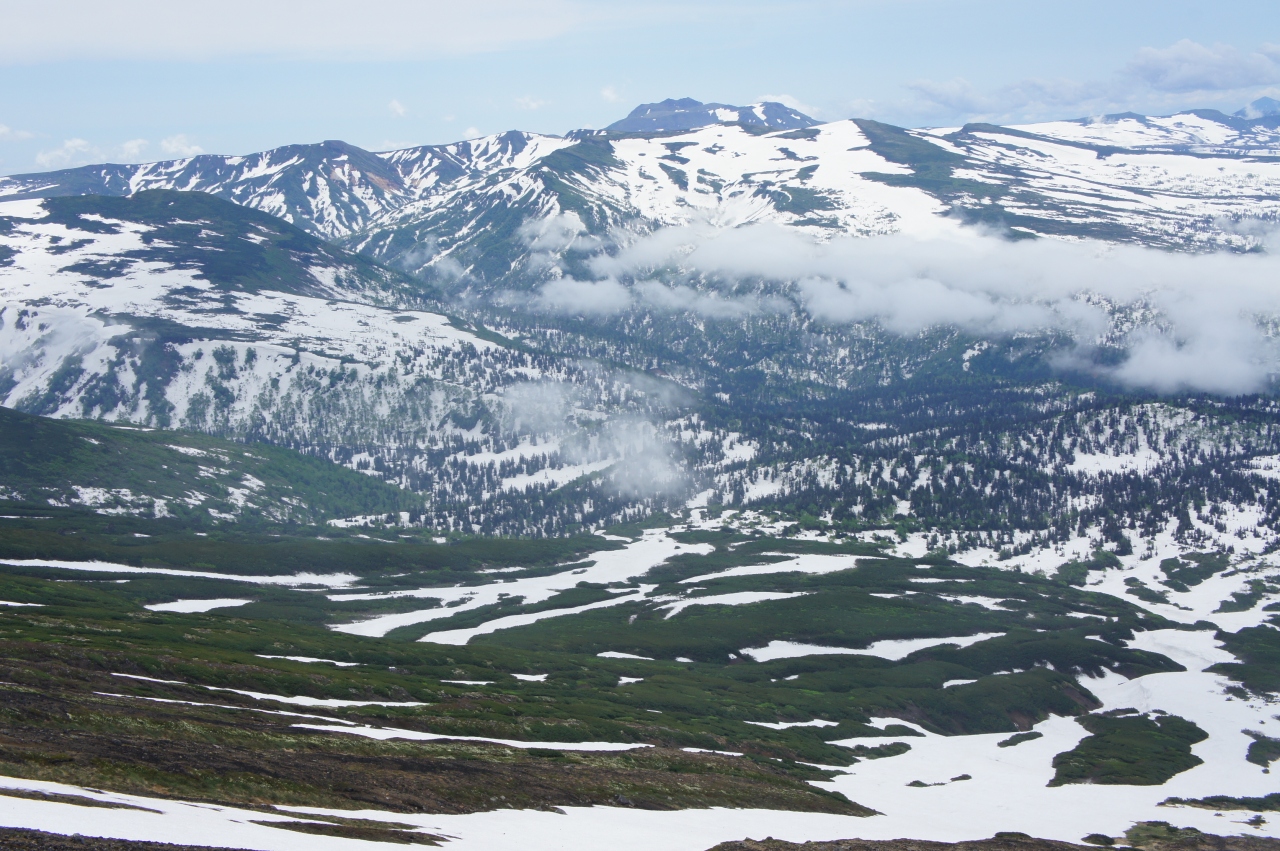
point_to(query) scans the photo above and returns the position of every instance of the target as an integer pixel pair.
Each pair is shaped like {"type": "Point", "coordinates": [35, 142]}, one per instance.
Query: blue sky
{"type": "Point", "coordinates": [134, 80]}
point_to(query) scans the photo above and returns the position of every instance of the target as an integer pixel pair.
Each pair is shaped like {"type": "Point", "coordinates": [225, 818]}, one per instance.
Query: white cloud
{"type": "Point", "coordinates": [557, 233]}
{"type": "Point", "coordinates": [179, 145]}
{"type": "Point", "coordinates": [583, 298]}
{"type": "Point", "coordinates": [72, 152]}
{"type": "Point", "coordinates": [1155, 80]}
{"type": "Point", "coordinates": [610, 94]}
{"type": "Point", "coordinates": [1205, 334]}
{"type": "Point", "coordinates": [78, 152]}
{"type": "Point", "coordinates": [1023, 99]}
{"type": "Point", "coordinates": [1214, 360]}
{"type": "Point", "coordinates": [472, 133]}
{"type": "Point", "coordinates": [530, 103]}
{"type": "Point", "coordinates": [684, 299]}
{"type": "Point", "coordinates": [397, 108]}
{"type": "Point", "coordinates": [1191, 67]}
{"type": "Point", "coordinates": [318, 29]}
{"type": "Point", "coordinates": [132, 149]}
{"type": "Point", "coordinates": [8, 134]}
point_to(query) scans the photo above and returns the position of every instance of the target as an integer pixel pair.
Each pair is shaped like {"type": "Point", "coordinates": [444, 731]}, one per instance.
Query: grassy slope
{"type": "Point", "coordinates": [45, 459]}
{"type": "Point", "coordinates": [1041, 640]}
{"type": "Point", "coordinates": [61, 655]}
{"type": "Point", "coordinates": [63, 723]}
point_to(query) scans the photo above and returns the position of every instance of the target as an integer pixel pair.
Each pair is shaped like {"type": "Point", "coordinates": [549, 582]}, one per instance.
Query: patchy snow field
{"type": "Point", "coordinates": [610, 566]}
{"type": "Point", "coordinates": [1006, 788]}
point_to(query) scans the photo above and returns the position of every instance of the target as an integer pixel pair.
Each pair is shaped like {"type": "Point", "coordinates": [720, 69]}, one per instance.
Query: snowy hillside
{"type": "Point", "coordinates": [180, 310]}
{"type": "Point", "coordinates": [462, 212]}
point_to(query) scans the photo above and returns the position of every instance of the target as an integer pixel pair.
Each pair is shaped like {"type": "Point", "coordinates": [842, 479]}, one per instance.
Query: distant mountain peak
{"type": "Point", "coordinates": [689, 114]}
{"type": "Point", "coordinates": [1261, 108]}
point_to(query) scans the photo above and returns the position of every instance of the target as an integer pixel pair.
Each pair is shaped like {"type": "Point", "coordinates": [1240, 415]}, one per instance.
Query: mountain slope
{"type": "Point", "coordinates": [107, 301]}
{"type": "Point", "coordinates": [118, 470]}
{"type": "Point", "coordinates": [172, 309]}
{"type": "Point", "coordinates": [233, 248]}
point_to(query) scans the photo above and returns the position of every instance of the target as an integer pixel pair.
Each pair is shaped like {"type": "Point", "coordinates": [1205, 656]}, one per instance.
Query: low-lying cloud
{"type": "Point", "coordinates": [640, 461]}
{"type": "Point", "coordinates": [1188, 321]}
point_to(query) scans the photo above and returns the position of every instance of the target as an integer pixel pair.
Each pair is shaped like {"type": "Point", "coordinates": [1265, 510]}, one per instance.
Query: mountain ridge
{"type": "Point", "coordinates": [454, 213]}
{"type": "Point", "coordinates": [433, 209]}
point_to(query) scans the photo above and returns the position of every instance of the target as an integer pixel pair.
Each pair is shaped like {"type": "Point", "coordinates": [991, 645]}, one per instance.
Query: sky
{"type": "Point", "coordinates": [85, 81]}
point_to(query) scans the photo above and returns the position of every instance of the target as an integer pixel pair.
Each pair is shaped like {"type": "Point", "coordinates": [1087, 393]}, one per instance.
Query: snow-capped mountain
{"type": "Point", "coordinates": [468, 214]}
{"type": "Point", "coordinates": [126, 300]}
{"type": "Point", "coordinates": [688, 114]}
{"type": "Point", "coordinates": [1261, 108]}
{"type": "Point", "coordinates": [179, 309]}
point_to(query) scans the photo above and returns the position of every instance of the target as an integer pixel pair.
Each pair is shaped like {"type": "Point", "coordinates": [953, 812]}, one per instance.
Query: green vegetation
{"type": "Point", "coordinates": [157, 473]}
{"type": "Point", "coordinates": [704, 703]}
{"type": "Point", "coordinates": [1258, 649]}
{"type": "Point", "coordinates": [880, 751]}
{"type": "Point", "coordinates": [1019, 738]}
{"type": "Point", "coordinates": [1196, 568]}
{"type": "Point", "coordinates": [677, 176]}
{"type": "Point", "coordinates": [1264, 750]}
{"type": "Point", "coordinates": [1243, 601]}
{"type": "Point", "coordinates": [1135, 586]}
{"type": "Point", "coordinates": [1132, 750]}
{"type": "Point", "coordinates": [19, 839]}
{"type": "Point", "coordinates": [1076, 572]}
{"type": "Point", "coordinates": [64, 653]}
{"type": "Point", "coordinates": [1267, 804]}
{"type": "Point", "coordinates": [1159, 834]}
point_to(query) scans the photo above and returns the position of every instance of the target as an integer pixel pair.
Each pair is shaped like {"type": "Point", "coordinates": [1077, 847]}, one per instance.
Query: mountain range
{"type": "Point", "coordinates": [460, 213]}
{"type": "Point", "coordinates": [818, 479]}
{"type": "Point", "coordinates": [477, 322]}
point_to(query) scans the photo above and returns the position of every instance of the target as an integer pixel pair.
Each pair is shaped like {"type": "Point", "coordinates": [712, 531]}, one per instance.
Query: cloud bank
{"type": "Point", "coordinates": [1193, 322]}
{"type": "Point", "coordinates": [1155, 79]}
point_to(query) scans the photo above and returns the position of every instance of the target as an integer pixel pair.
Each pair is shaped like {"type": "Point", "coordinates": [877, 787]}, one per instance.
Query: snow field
{"type": "Point", "coordinates": [311, 659]}
{"type": "Point", "coordinates": [892, 649]}
{"type": "Point", "coordinates": [300, 700]}
{"type": "Point", "coordinates": [192, 606]}
{"type": "Point", "coordinates": [610, 566]}
{"type": "Point", "coordinates": [385, 733]}
{"type": "Point", "coordinates": [328, 580]}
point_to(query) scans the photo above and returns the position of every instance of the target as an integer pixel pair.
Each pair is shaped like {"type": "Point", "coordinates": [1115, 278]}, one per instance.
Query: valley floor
{"type": "Point", "coordinates": [946, 788]}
